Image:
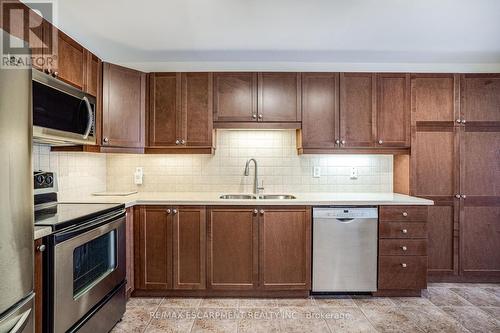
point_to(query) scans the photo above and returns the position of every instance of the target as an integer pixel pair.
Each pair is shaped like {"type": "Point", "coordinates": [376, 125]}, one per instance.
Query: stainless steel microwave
{"type": "Point", "coordinates": [62, 114]}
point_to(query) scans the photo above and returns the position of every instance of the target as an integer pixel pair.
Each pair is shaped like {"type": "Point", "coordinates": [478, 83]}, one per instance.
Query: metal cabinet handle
{"type": "Point", "coordinates": [261, 212]}
{"type": "Point", "coordinates": [464, 196]}
{"type": "Point", "coordinates": [55, 74]}
{"type": "Point", "coordinates": [177, 141]}
{"type": "Point", "coordinates": [169, 211]}
{"type": "Point", "coordinates": [254, 116]}
{"type": "Point", "coordinates": [106, 140]}
{"type": "Point", "coordinates": [40, 248]}
{"type": "Point", "coordinates": [404, 231]}
{"type": "Point", "coordinates": [342, 142]}
{"type": "Point", "coordinates": [255, 211]}
{"type": "Point", "coordinates": [457, 196]}
{"type": "Point", "coordinates": [459, 121]}
{"type": "Point", "coordinates": [404, 248]}
{"type": "Point", "coordinates": [183, 142]}
{"type": "Point", "coordinates": [260, 116]}
{"type": "Point", "coordinates": [337, 141]}
{"type": "Point", "coordinates": [380, 142]}
{"type": "Point", "coordinates": [403, 265]}
{"type": "Point", "coordinates": [405, 214]}
{"type": "Point", "coordinates": [174, 211]}
{"type": "Point", "coordinates": [463, 121]}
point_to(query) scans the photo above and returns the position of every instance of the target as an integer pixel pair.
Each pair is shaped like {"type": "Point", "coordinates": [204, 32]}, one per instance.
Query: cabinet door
{"type": "Point", "coordinates": [153, 233]}
{"type": "Point", "coordinates": [285, 248]}
{"type": "Point", "coordinates": [433, 98]}
{"type": "Point", "coordinates": [235, 97]}
{"type": "Point", "coordinates": [38, 285]}
{"type": "Point", "coordinates": [164, 109]}
{"type": "Point", "coordinates": [393, 110]}
{"type": "Point", "coordinates": [232, 249]}
{"type": "Point", "coordinates": [480, 212]}
{"type": "Point", "coordinates": [129, 240]}
{"type": "Point", "coordinates": [320, 112]}
{"type": "Point", "coordinates": [70, 66]}
{"type": "Point", "coordinates": [189, 247]}
{"type": "Point", "coordinates": [93, 74]}
{"type": "Point", "coordinates": [279, 97]}
{"type": "Point", "coordinates": [480, 97]}
{"type": "Point", "coordinates": [357, 106]}
{"type": "Point", "coordinates": [124, 94]}
{"type": "Point", "coordinates": [197, 102]}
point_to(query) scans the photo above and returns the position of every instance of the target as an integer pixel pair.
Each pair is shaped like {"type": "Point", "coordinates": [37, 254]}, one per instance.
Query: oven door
{"type": "Point", "coordinates": [89, 262]}
{"type": "Point", "coordinates": [62, 114]}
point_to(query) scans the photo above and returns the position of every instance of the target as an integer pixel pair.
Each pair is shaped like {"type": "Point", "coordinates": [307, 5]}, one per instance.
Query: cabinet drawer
{"type": "Point", "coordinates": [403, 213]}
{"type": "Point", "coordinates": [402, 230]}
{"type": "Point", "coordinates": [402, 272]}
{"type": "Point", "coordinates": [402, 247]}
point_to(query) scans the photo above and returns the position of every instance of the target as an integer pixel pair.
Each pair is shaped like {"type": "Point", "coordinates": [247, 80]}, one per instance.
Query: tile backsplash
{"type": "Point", "coordinates": [78, 174]}
{"type": "Point", "coordinates": [280, 168]}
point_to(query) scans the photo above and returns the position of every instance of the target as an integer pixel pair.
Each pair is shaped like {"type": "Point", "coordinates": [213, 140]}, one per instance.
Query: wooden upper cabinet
{"type": "Point", "coordinates": [279, 97]}
{"type": "Point", "coordinates": [232, 248]}
{"type": "Point", "coordinates": [196, 106]}
{"type": "Point", "coordinates": [357, 104]}
{"type": "Point", "coordinates": [285, 248]}
{"type": "Point", "coordinates": [93, 73]}
{"type": "Point", "coordinates": [189, 243]}
{"type": "Point", "coordinates": [164, 109]}
{"type": "Point", "coordinates": [393, 110]}
{"type": "Point", "coordinates": [71, 61]}
{"type": "Point", "coordinates": [433, 97]}
{"type": "Point", "coordinates": [153, 234]}
{"type": "Point", "coordinates": [480, 97]}
{"type": "Point", "coordinates": [124, 99]}
{"type": "Point", "coordinates": [235, 97]}
{"type": "Point", "coordinates": [320, 110]}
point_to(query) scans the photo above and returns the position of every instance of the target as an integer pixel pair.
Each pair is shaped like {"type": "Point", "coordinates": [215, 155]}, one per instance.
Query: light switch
{"type": "Point", "coordinates": [316, 172]}
{"type": "Point", "coordinates": [354, 173]}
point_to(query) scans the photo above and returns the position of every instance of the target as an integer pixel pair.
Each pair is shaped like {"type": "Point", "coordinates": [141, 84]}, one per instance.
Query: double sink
{"type": "Point", "coordinates": [255, 197]}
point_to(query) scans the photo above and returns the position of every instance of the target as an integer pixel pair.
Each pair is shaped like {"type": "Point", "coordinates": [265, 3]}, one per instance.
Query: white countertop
{"type": "Point", "coordinates": [212, 198]}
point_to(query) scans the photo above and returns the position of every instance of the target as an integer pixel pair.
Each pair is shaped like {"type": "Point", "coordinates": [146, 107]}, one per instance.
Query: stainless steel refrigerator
{"type": "Point", "coordinates": [16, 201]}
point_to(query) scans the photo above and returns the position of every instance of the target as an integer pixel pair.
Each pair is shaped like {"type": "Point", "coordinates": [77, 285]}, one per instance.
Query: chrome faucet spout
{"type": "Point", "coordinates": [256, 187]}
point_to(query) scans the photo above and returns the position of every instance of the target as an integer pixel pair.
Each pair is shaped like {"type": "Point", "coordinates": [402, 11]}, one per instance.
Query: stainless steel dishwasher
{"type": "Point", "coordinates": [345, 249]}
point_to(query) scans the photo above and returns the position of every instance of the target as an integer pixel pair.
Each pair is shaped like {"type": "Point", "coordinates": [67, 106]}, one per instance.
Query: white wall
{"type": "Point", "coordinates": [280, 168]}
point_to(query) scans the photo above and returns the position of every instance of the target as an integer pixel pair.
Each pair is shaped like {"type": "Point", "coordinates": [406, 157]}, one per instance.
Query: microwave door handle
{"type": "Point", "coordinates": [91, 116]}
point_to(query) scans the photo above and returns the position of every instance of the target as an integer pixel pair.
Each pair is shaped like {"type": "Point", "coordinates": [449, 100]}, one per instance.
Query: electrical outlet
{"type": "Point", "coordinates": [316, 172]}
{"type": "Point", "coordinates": [354, 173]}
{"type": "Point", "coordinates": [138, 175]}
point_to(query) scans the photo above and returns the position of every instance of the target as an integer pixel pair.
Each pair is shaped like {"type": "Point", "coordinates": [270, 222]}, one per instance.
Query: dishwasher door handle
{"type": "Point", "coordinates": [345, 220]}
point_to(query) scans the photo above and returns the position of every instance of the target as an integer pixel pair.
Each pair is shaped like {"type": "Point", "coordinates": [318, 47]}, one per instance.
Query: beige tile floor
{"type": "Point", "coordinates": [444, 307]}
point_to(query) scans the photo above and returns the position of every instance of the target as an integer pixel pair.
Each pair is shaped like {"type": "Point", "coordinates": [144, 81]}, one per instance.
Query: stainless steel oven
{"type": "Point", "coordinates": [87, 263]}
{"type": "Point", "coordinates": [62, 114]}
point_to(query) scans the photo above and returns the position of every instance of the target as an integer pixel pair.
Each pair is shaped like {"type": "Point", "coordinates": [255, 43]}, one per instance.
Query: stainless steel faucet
{"type": "Point", "coordinates": [256, 187]}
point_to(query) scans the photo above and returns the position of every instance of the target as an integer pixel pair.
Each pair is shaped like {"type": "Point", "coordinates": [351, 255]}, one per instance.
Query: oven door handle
{"type": "Point", "coordinates": [94, 224]}
{"type": "Point", "coordinates": [91, 117]}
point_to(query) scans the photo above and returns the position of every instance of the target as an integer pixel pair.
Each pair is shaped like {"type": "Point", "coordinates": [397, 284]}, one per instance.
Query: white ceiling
{"type": "Point", "coordinates": [378, 35]}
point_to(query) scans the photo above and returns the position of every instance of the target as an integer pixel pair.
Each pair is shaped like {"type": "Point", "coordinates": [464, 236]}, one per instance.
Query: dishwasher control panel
{"type": "Point", "coordinates": [345, 212]}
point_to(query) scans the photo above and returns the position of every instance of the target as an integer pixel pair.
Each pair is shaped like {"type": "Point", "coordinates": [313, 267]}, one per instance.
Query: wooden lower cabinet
{"type": "Point", "coordinates": [129, 254]}
{"type": "Point", "coordinates": [224, 251]}
{"type": "Point", "coordinates": [285, 248]}
{"type": "Point", "coordinates": [402, 261]}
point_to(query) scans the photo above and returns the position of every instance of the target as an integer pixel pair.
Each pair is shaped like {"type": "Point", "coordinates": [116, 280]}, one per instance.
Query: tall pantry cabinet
{"type": "Point", "coordinates": [455, 161]}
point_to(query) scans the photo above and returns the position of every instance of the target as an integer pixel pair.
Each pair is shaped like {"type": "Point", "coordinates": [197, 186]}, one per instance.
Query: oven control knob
{"type": "Point", "coordinates": [40, 179]}
{"type": "Point", "coordinates": [49, 180]}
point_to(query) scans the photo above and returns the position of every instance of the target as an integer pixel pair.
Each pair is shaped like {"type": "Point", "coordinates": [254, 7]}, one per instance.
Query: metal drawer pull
{"type": "Point", "coordinates": [255, 211]}
{"type": "Point", "coordinates": [169, 211]}
{"type": "Point", "coordinates": [403, 265]}
{"type": "Point", "coordinates": [174, 211]}
{"type": "Point", "coordinates": [405, 214]}
{"type": "Point", "coordinates": [40, 248]}
{"type": "Point", "coordinates": [404, 231]}
{"type": "Point", "coordinates": [404, 248]}
{"type": "Point", "coordinates": [261, 212]}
